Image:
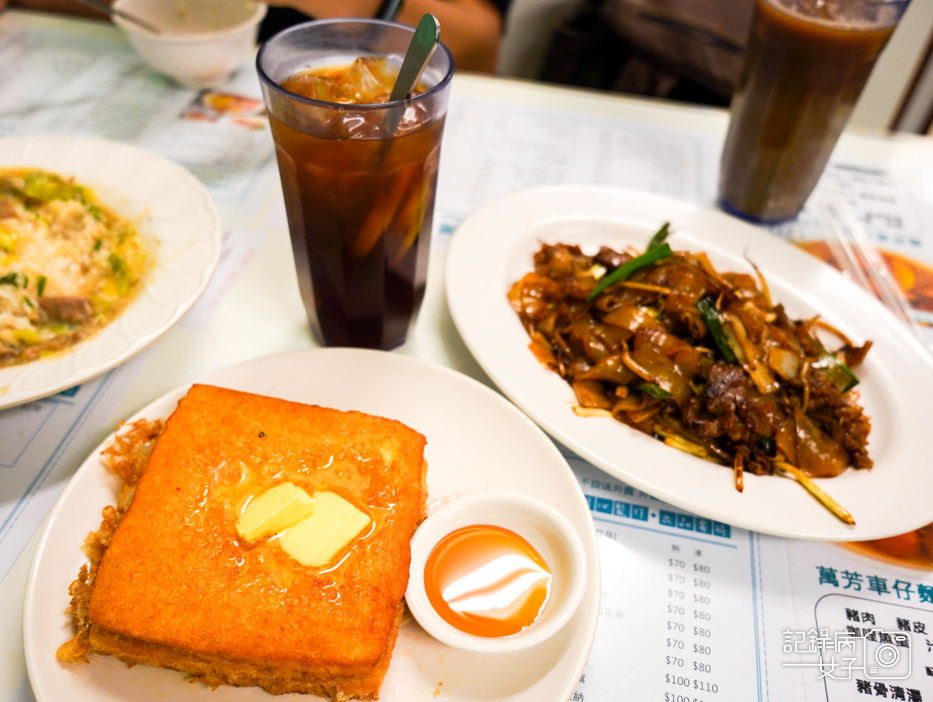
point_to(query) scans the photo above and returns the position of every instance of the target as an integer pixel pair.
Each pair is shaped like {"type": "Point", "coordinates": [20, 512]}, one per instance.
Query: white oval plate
{"type": "Point", "coordinates": [182, 229]}
{"type": "Point", "coordinates": [493, 248]}
{"type": "Point", "coordinates": [477, 441]}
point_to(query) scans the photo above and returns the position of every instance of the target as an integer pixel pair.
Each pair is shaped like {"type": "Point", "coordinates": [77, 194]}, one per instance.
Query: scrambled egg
{"type": "Point", "coordinates": [68, 264]}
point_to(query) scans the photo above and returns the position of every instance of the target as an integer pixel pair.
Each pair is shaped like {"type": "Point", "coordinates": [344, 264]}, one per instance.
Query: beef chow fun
{"type": "Point", "coordinates": [700, 359]}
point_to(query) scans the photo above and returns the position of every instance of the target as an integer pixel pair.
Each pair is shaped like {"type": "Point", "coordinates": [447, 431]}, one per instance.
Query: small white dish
{"type": "Point", "coordinates": [200, 42]}
{"type": "Point", "coordinates": [542, 526]}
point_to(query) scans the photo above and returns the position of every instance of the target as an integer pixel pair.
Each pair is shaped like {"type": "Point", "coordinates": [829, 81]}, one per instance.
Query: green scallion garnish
{"type": "Point", "coordinates": [629, 267]}
{"type": "Point", "coordinates": [711, 317]}
{"type": "Point", "coordinates": [659, 236]}
{"type": "Point", "coordinates": [653, 391]}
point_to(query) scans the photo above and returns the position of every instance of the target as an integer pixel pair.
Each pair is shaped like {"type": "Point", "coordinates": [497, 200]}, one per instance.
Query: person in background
{"type": "Point", "coordinates": [471, 29]}
{"type": "Point", "coordinates": [688, 50]}
{"type": "Point", "coordinates": [71, 7]}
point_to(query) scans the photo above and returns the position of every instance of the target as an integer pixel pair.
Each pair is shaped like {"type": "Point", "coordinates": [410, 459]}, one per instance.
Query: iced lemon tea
{"type": "Point", "coordinates": [359, 184]}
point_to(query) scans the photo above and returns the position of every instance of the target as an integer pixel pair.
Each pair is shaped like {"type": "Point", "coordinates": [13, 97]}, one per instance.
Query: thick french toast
{"type": "Point", "coordinates": [177, 587]}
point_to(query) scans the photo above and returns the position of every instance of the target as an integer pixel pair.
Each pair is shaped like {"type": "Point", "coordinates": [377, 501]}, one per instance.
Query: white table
{"type": "Point", "coordinates": [502, 135]}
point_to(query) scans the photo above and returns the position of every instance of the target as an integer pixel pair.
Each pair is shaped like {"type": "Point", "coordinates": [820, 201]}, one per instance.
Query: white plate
{"type": "Point", "coordinates": [477, 441]}
{"type": "Point", "coordinates": [493, 248]}
{"type": "Point", "coordinates": [177, 219]}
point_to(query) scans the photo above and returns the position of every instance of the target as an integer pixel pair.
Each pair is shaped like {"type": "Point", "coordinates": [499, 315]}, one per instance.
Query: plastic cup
{"type": "Point", "coordinates": [804, 68]}
{"type": "Point", "coordinates": [359, 191]}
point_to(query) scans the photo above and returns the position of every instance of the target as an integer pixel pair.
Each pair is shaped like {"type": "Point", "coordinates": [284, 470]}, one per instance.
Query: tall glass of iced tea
{"type": "Point", "coordinates": [805, 65]}
{"type": "Point", "coordinates": [359, 172]}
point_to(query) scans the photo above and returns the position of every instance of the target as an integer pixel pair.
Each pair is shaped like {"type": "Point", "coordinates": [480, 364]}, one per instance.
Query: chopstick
{"type": "Point", "coordinates": [862, 261]}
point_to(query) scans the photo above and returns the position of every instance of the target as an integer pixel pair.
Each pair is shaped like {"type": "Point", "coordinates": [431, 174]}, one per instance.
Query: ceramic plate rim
{"type": "Point", "coordinates": [177, 218]}
{"type": "Point", "coordinates": [492, 248]}
{"type": "Point", "coordinates": [271, 375]}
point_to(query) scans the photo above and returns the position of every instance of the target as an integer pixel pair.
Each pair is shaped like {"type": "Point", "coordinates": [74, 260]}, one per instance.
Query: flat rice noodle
{"type": "Point", "coordinates": [683, 276]}
{"type": "Point", "coordinates": [786, 364]}
{"type": "Point", "coordinates": [660, 369]}
{"type": "Point", "coordinates": [717, 279]}
{"type": "Point", "coordinates": [688, 283]}
{"type": "Point", "coordinates": [615, 298]}
{"type": "Point", "coordinates": [559, 260]}
{"type": "Point", "coordinates": [753, 319]}
{"type": "Point", "coordinates": [542, 350]}
{"type": "Point", "coordinates": [547, 324]}
{"type": "Point", "coordinates": [591, 394]}
{"type": "Point", "coordinates": [745, 285]}
{"type": "Point", "coordinates": [611, 369]}
{"type": "Point", "coordinates": [597, 340]}
{"type": "Point", "coordinates": [644, 416]}
{"type": "Point", "coordinates": [633, 402]}
{"type": "Point", "coordinates": [683, 310]}
{"type": "Point", "coordinates": [576, 366]}
{"type": "Point", "coordinates": [530, 297]}
{"type": "Point", "coordinates": [818, 455]}
{"type": "Point", "coordinates": [632, 318]}
{"type": "Point", "coordinates": [612, 337]}
{"type": "Point", "coordinates": [685, 357]}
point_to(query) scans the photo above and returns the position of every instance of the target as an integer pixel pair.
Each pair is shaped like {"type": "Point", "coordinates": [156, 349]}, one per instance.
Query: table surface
{"type": "Point", "coordinates": [257, 310]}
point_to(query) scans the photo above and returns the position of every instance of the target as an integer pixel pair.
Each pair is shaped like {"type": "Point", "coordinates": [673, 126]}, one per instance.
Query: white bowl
{"type": "Point", "coordinates": [545, 529]}
{"type": "Point", "coordinates": [200, 42]}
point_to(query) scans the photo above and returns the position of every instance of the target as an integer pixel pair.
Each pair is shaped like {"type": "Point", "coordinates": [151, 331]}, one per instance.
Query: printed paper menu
{"type": "Point", "coordinates": [865, 624]}
{"type": "Point", "coordinates": [694, 610]}
{"type": "Point", "coordinates": [683, 602]}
